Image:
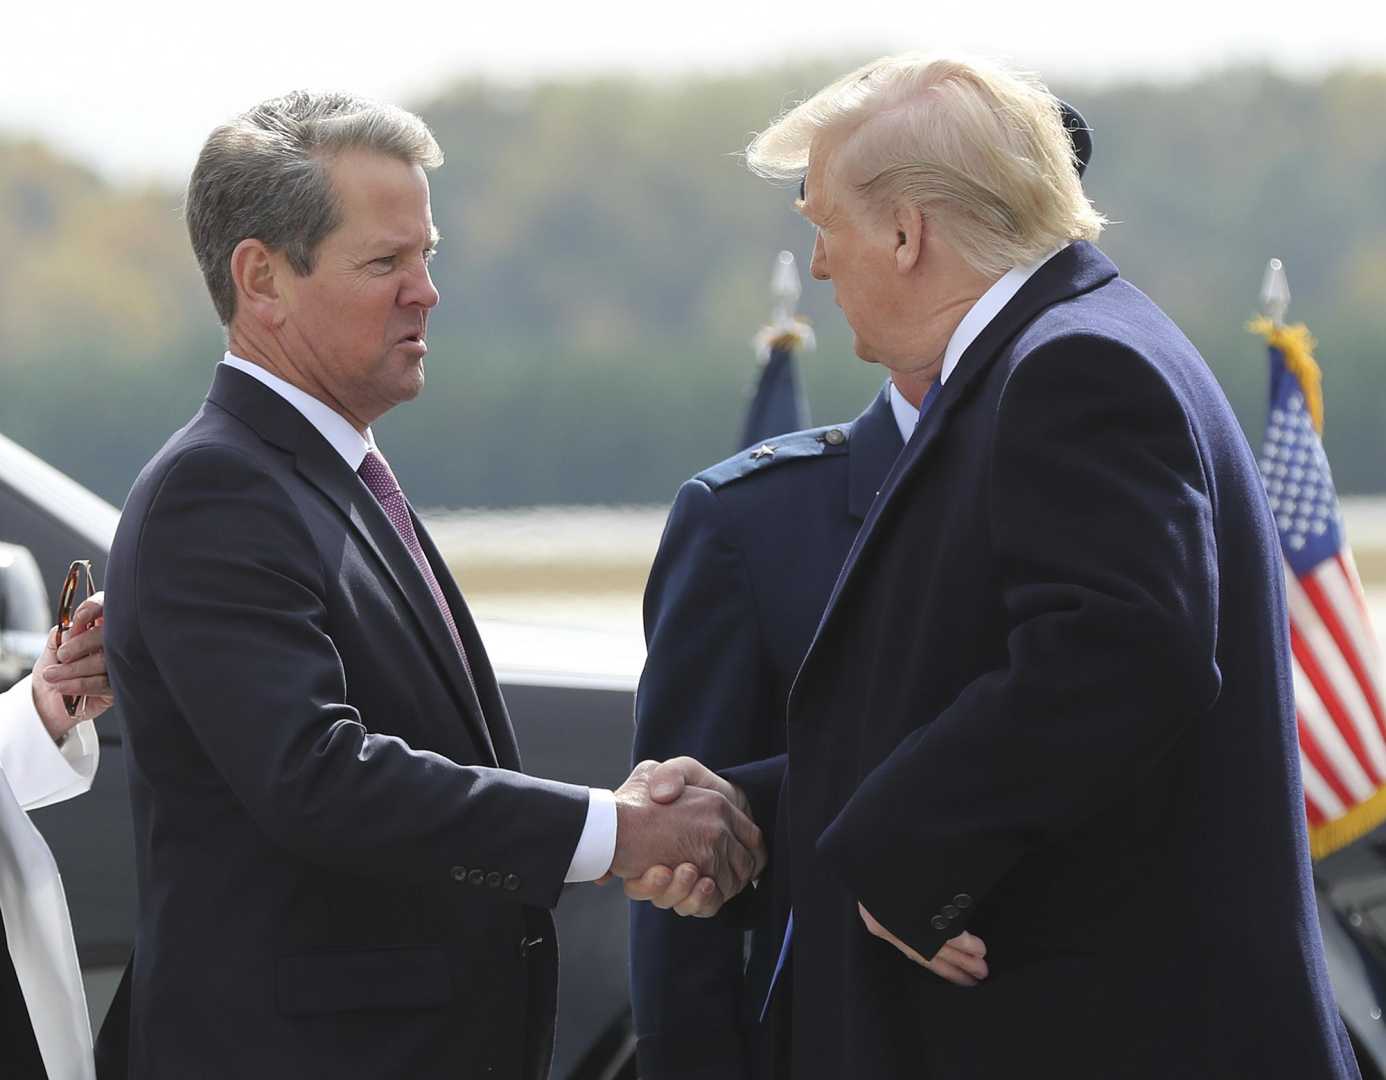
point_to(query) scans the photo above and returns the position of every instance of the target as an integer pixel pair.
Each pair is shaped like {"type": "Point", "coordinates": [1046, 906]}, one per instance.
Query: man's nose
{"type": "Point", "coordinates": [818, 265]}
{"type": "Point", "coordinates": [419, 288]}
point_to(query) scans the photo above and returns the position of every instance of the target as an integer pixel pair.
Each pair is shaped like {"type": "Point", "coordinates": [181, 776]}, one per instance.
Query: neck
{"type": "Point", "coordinates": [268, 354]}
{"type": "Point", "coordinates": [912, 387]}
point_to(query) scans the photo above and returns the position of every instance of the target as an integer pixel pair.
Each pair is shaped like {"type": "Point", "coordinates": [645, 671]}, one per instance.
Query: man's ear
{"type": "Point", "coordinates": [909, 237]}
{"type": "Point", "coordinates": [256, 272]}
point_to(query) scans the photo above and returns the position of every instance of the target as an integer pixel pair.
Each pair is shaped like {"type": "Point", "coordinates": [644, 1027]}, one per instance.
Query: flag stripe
{"type": "Point", "coordinates": [1339, 765]}
{"type": "Point", "coordinates": [1333, 680]}
{"type": "Point", "coordinates": [1320, 795]}
{"type": "Point", "coordinates": [1332, 597]}
{"type": "Point", "coordinates": [1368, 649]}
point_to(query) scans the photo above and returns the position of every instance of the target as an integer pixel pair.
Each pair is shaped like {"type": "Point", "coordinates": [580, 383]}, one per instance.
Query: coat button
{"type": "Point", "coordinates": [476, 877]}
{"type": "Point", "coordinates": [493, 879]}
{"type": "Point", "coordinates": [459, 873]}
{"type": "Point", "coordinates": [938, 922]}
{"type": "Point", "coordinates": [512, 882]}
{"type": "Point", "coordinates": [949, 912]}
{"type": "Point", "coordinates": [834, 437]}
{"type": "Point", "coordinates": [963, 901]}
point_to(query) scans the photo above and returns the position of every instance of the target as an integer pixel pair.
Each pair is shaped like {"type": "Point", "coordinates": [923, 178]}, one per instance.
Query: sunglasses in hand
{"type": "Point", "coordinates": [77, 587]}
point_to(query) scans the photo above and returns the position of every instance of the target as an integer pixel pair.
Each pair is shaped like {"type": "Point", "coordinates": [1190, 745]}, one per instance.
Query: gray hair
{"type": "Point", "coordinates": [265, 175]}
{"type": "Point", "coordinates": [981, 148]}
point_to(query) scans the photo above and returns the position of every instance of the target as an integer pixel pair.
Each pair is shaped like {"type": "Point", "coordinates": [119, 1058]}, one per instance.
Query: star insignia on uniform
{"type": "Point", "coordinates": [764, 450]}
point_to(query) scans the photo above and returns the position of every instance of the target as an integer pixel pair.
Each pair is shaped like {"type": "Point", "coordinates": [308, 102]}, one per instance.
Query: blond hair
{"type": "Point", "coordinates": [980, 149]}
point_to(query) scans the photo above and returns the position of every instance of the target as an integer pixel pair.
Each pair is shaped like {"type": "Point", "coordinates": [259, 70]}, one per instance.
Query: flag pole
{"type": "Point", "coordinates": [778, 404]}
{"type": "Point", "coordinates": [1275, 293]}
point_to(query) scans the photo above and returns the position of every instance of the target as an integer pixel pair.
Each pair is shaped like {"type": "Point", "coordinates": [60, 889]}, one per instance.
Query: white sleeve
{"type": "Point", "coordinates": [596, 847]}
{"type": "Point", "coordinates": [39, 772]}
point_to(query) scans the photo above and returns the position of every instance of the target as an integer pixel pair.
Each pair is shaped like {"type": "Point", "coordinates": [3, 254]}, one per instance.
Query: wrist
{"type": "Point", "coordinates": [47, 704]}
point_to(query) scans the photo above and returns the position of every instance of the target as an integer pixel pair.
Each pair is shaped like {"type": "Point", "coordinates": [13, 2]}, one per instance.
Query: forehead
{"type": "Point", "coordinates": [380, 194]}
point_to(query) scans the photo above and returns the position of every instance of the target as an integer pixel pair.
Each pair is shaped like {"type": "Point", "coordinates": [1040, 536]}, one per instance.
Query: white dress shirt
{"type": "Point", "coordinates": [978, 317]}
{"type": "Point", "coordinates": [35, 772]}
{"type": "Point", "coordinates": [596, 847]}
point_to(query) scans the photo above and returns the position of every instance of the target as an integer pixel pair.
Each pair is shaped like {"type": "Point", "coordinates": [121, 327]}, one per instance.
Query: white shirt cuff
{"type": "Point", "coordinates": [596, 847]}
{"type": "Point", "coordinates": [38, 771]}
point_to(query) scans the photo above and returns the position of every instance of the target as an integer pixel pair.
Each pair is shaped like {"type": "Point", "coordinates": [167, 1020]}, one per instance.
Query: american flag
{"type": "Point", "coordinates": [1337, 664]}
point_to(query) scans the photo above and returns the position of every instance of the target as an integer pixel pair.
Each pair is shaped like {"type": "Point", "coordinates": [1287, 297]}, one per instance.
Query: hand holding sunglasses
{"type": "Point", "coordinates": [71, 684]}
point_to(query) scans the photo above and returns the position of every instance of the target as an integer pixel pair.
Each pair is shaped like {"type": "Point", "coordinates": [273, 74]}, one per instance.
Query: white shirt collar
{"type": "Point", "coordinates": [906, 415]}
{"type": "Point", "coordinates": [345, 439]}
{"type": "Point", "coordinates": [986, 309]}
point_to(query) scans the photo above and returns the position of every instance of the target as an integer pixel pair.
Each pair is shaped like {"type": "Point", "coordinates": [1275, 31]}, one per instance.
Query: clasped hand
{"type": "Point", "coordinates": [682, 815]}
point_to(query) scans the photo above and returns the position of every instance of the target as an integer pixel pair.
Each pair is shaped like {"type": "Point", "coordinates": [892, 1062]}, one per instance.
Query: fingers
{"type": "Point", "coordinates": [79, 643]}
{"type": "Point", "coordinates": [749, 836]}
{"type": "Point", "coordinates": [669, 778]}
{"type": "Point", "coordinates": [68, 686]}
{"type": "Point", "coordinates": [88, 611]}
{"type": "Point", "coordinates": [703, 901]}
{"type": "Point", "coordinates": [959, 961]}
{"type": "Point", "coordinates": [652, 883]}
{"type": "Point", "coordinates": [974, 966]}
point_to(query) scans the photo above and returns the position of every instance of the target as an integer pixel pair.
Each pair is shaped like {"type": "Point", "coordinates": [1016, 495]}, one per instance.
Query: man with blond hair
{"type": "Point", "coordinates": [1049, 706]}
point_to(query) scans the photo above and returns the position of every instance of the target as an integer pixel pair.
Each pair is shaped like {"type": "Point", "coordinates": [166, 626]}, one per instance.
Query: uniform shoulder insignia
{"type": "Point", "coordinates": [796, 446]}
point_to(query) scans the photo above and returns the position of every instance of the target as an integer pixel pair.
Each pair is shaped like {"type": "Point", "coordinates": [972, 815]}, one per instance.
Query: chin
{"type": "Point", "coordinates": [864, 352]}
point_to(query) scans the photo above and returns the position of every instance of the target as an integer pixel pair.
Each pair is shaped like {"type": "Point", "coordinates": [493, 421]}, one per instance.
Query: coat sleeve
{"type": "Point", "coordinates": [230, 598]}
{"type": "Point", "coordinates": [1105, 555]}
{"type": "Point", "coordinates": [704, 692]}
{"type": "Point", "coordinates": [39, 772]}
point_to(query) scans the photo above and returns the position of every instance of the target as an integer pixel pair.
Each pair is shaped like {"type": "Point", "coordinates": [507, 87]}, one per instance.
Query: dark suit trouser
{"type": "Point", "coordinates": [19, 1052]}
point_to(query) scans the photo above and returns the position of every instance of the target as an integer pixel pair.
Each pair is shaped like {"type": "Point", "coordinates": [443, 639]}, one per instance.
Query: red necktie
{"type": "Point", "coordinates": [375, 472]}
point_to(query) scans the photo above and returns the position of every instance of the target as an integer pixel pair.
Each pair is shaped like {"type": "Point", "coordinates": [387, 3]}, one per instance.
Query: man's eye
{"type": "Point", "coordinates": [384, 262]}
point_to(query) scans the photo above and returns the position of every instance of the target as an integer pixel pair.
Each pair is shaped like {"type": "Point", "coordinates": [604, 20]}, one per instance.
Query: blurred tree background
{"type": "Point", "coordinates": [606, 258]}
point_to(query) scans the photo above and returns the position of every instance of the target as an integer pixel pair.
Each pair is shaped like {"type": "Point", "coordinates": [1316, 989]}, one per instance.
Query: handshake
{"type": "Point", "coordinates": [684, 838]}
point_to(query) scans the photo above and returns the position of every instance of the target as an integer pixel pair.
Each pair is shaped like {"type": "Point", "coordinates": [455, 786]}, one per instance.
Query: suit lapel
{"type": "Point", "coordinates": [1076, 269]}
{"type": "Point", "coordinates": [317, 462]}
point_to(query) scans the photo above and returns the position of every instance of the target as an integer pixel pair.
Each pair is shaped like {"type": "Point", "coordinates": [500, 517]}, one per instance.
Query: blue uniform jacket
{"type": "Point", "coordinates": [749, 555]}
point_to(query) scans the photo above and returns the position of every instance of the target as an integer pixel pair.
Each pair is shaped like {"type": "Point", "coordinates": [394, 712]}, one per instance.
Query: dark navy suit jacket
{"type": "Point", "coordinates": [1050, 702]}
{"type": "Point", "coordinates": [341, 871]}
{"type": "Point", "coordinates": [749, 555]}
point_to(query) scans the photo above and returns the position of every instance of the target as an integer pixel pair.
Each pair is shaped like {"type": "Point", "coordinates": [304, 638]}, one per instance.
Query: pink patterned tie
{"type": "Point", "coordinates": [375, 472]}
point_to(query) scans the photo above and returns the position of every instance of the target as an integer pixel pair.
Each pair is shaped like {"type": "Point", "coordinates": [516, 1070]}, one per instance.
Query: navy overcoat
{"type": "Point", "coordinates": [1050, 702]}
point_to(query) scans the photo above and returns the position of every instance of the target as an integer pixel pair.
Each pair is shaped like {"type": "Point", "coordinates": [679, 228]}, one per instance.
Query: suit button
{"type": "Point", "coordinates": [511, 882]}
{"type": "Point", "coordinates": [834, 437]}
{"type": "Point", "coordinates": [459, 873]}
{"type": "Point", "coordinates": [476, 877]}
{"type": "Point", "coordinates": [938, 922]}
{"type": "Point", "coordinates": [949, 912]}
{"type": "Point", "coordinates": [963, 901]}
{"type": "Point", "coordinates": [493, 879]}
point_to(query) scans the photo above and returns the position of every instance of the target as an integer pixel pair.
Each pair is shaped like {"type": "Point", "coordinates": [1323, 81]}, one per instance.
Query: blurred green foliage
{"type": "Point", "coordinates": [606, 258]}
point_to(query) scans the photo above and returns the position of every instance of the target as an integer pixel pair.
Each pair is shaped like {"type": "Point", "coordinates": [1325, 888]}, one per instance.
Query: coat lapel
{"type": "Point", "coordinates": [1077, 269]}
{"type": "Point", "coordinates": [281, 424]}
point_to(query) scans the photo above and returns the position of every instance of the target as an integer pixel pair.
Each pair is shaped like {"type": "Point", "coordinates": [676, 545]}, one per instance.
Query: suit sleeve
{"type": "Point", "coordinates": [704, 692]}
{"type": "Point", "coordinates": [229, 592]}
{"type": "Point", "coordinates": [1105, 553]}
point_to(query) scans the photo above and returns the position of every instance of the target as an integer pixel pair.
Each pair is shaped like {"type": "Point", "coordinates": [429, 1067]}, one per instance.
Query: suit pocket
{"type": "Point", "coordinates": [399, 978]}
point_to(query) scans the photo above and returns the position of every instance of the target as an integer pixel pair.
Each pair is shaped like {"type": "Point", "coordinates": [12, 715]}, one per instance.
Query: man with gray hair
{"type": "Point", "coordinates": [342, 871]}
{"type": "Point", "coordinates": [1049, 705]}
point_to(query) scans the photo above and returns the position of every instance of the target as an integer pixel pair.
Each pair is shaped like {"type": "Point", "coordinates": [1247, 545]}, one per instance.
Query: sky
{"type": "Point", "coordinates": [132, 89]}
